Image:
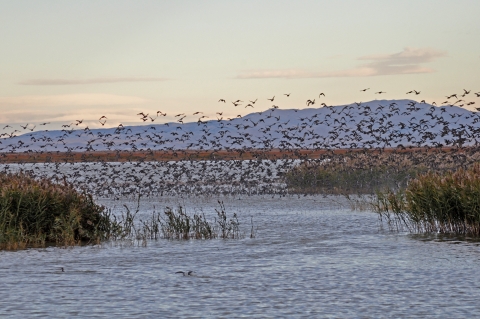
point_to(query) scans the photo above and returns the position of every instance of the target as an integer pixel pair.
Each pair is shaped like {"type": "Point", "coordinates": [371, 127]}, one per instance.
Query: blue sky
{"type": "Point", "coordinates": [67, 60]}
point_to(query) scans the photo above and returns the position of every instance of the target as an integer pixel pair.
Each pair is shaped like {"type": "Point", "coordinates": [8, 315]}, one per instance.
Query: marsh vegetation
{"type": "Point", "coordinates": [40, 212]}
{"type": "Point", "coordinates": [367, 172]}
{"type": "Point", "coordinates": [435, 203]}
{"type": "Point", "coordinates": [429, 191]}
{"type": "Point", "coordinates": [425, 190]}
{"type": "Point", "coordinates": [175, 223]}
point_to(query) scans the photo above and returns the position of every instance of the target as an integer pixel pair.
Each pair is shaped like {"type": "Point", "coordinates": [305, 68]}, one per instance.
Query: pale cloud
{"type": "Point", "coordinates": [406, 62]}
{"type": "Point", "coordinates": [68, 100]}
{"type": "Point", "coordinates": [407, 56]}
{"type": "Point", "coordinates": [409, 61]}
{"type": "Point", "coordinates": [89, 115]}
{"type": "Point", "coordinates": [65, 109]}
{"type": "Point", "coordinates": [90, 81]}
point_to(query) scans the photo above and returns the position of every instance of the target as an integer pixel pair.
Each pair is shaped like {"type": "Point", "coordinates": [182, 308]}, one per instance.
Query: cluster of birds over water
{"type": "Point", "coordinates": [374, 125]}
{"type": "Point", "coordinates": [166, 178]}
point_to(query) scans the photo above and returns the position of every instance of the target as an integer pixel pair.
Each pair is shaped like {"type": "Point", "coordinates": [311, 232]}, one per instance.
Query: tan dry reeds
{"type": "Point", "coordinates": [435, 203]}
{"type": "Point", "coordinates": [36, 212]}
{"type": "Point", "coordinates": [179, 225]}
{"type": "Point", "coordinates": [368, 172]}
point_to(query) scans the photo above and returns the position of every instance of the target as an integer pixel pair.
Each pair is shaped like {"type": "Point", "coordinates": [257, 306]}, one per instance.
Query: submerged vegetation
{"type": "Point", "coordinates": [435, 203]}
{"type": "Point", "coordinates": [36, 213]}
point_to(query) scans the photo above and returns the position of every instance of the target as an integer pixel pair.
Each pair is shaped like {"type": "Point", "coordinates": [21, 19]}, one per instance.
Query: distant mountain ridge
{"type": "Point", "coordinates": [374, 124]}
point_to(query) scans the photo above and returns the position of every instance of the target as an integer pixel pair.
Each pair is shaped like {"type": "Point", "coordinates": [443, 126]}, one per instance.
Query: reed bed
{"type": "Point", "coordinates": [175, 224]}
{"type": "Point", "coordinates": [369, 172]}
{"type": "Point", "coordinates": [179, 225]}
{"type": "Point", "coordinates": [435, 202]}
{"type": "Point", "coordinates": [38, 212]}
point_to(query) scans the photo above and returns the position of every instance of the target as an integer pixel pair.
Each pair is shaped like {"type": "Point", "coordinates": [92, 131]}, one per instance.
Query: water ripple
{"type": "Point", "coordinates": [308, 260]}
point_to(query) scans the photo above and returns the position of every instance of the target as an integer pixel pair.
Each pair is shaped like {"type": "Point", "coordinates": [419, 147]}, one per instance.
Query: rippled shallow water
{"type": "Point", "coordinates": [312, 257]}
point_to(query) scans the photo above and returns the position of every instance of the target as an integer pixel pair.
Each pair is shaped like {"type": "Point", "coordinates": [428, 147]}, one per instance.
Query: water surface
{"type": "Point", "coordinates": [312, 257]}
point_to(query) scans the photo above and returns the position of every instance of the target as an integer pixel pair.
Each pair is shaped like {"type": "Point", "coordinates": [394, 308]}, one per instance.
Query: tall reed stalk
{"type": "Point", "coordinates": [177, 224]}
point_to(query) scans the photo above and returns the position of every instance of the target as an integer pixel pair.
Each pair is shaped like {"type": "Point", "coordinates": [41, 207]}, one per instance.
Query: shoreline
{"type": "Point", "coordinates": [199, 155]}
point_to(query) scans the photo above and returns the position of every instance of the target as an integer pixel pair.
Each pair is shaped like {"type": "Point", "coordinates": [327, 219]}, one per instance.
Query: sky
{"type": "Point", "coordinates": [62, 61]}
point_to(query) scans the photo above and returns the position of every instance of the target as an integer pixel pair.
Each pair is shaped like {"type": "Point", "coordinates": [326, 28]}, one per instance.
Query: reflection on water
{"type": "Point", "coordinates": [311, 258]}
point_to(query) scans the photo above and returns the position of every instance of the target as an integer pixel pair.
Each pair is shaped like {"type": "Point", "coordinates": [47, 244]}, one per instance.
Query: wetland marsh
{"type": "Point", "coordinates": [312, 256]}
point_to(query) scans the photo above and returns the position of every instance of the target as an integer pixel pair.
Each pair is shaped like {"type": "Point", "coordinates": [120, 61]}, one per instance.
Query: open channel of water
{"type": "Point", "coordinates": [311, 257]}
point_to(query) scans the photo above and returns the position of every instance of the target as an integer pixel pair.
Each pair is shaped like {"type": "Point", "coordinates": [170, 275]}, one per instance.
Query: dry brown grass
{"type": "Point", "coordinates": [177, 155]}
{"type": "Point", "coordinates": [36, 212]}
{"type": "Point", "coordinates": [436, 203]}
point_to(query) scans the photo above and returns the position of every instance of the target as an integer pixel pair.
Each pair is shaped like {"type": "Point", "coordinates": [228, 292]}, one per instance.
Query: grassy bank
{"type": "Point", "coordinates": [435, 203]}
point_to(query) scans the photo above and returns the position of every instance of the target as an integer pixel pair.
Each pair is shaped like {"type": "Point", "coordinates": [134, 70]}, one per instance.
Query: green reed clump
{"type": "Point", "coordinates": [366, 172]}
{"type": "Point", "coordinates": [37, 212]}
{"type": "Point", "coordinates": [435, 203]}
{"type": "Point", "coordinates": [230, 228]}
{"type": "Point", "coordinates": [338, 178]}
{"type": "Point", "coordinates": [177, 224]}
{"type": "Point", "coordinates": [128, 229]}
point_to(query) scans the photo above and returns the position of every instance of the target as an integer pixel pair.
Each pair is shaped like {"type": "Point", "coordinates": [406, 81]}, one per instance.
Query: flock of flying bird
{"type": "Point", "coordinates": [378, 124]}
